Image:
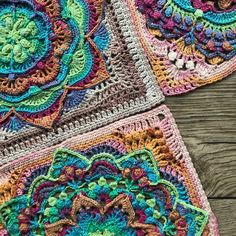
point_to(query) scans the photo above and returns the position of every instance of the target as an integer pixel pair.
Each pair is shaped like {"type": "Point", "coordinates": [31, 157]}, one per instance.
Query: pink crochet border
{"type": "Point", "coordinates": [159, 117]}
{"type": "Point", "coordinates": [159, 48]}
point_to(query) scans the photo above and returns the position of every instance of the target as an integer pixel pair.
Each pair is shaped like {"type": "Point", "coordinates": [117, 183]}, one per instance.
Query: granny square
{"type": "Point", "coordinates": [66, 67]}
{"type": "Point", "coordinates": [189, 43]}
{"type": "Point", "coordinates": [130, 178]}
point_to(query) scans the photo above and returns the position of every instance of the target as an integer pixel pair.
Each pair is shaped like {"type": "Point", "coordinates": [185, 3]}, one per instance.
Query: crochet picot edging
{"type": "Point", "coordinates": [134, 176]}
{"type": "Point", "coordinates": [189, 43]}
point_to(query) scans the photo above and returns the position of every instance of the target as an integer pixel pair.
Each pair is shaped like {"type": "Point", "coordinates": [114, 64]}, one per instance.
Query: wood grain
{"type": "Point", "coordinates": [225, 211]}
{"type": "Point", "coordinates": [206, 119]}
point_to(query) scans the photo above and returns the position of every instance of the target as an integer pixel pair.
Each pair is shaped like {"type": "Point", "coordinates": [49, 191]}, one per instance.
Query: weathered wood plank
{"type": "Point", "coordinates": [206, 118]}
{"type": "Point", "coordinates": [207, 121]}
{"type": "Point", "coordinates": [225, 211]}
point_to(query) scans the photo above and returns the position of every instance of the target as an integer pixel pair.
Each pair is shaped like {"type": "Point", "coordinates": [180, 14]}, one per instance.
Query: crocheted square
{"type": "Point", "coordinates": [189, 43]}
{"type": "Point", "coordinates": [134, 177]}
{"type": "Point", "coordinates": [68, 65]}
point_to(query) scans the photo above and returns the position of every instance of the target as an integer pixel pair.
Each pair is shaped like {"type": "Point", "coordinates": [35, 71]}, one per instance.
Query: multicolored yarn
{"type": "Point", "coordinates": [48, 49]}
{"type": "Point", "coordinates": [189, 43]}
{"type": "Point", "coordinates": [133, 177]}
{"type": "Point", "coordinates": [66, 63]}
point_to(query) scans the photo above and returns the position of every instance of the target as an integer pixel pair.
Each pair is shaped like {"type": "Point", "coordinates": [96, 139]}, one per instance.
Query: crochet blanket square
{"type": "Point", "coordinates": [133, 177]}
{"type": "Point", "coordinates": [189, 43]}
{"type": "Point", "coordinates": [68, 66]}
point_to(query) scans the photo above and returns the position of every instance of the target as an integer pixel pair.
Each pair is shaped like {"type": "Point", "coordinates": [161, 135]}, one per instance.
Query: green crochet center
{"type": "Point", "coordinates": [18, 37]}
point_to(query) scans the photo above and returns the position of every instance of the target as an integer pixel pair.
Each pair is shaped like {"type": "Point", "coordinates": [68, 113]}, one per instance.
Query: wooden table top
{"type": "Point", "coordinates": [206, 119]}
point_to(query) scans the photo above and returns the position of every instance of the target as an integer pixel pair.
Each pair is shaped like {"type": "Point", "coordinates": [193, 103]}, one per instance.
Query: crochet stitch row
{"type": "Point", "coordinates": [52, 50]}
{"type": "Point", "coordinates": [97, 71]}
{"type": "Point", "coordinates": [133, 177]}
{"type": "Point", "coordinates": [188, 43]}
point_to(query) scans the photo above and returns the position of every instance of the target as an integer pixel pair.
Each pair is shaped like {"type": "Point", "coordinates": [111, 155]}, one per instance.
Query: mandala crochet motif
{"type": "Point", "coordinates": [48, 49]}
{"type": "Point", "coordinates": [68, 65]}
{"type": "Point", "coordinates": [189, 43]}
{"type": "Point", "coordinates": [133, 177]}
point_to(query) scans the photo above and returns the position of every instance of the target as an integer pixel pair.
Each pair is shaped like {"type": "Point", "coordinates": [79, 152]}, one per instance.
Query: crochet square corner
{"type": "Point", "coordinates": [68, 67]}
{"type": "Point", "coordinates": [133, 177]}
{"type": "Point", "coordinates": [189, 43]}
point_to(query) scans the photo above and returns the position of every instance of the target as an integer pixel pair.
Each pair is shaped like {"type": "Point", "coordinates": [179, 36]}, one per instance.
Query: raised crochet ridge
{"type": "Point", "coordinates": [68, 64]}
{"type": "Point", "coordinates": [189, 43]}
{"type": "Point", "coordinates": [133, 177]}
{"type": "Point", "coordinates": [50, 51]}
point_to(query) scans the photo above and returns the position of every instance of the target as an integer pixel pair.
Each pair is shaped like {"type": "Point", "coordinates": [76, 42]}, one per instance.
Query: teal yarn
{"type": "Point", "coordinates": [48, 50]}
{"type": "Point", "coordinates": [90, 193]}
